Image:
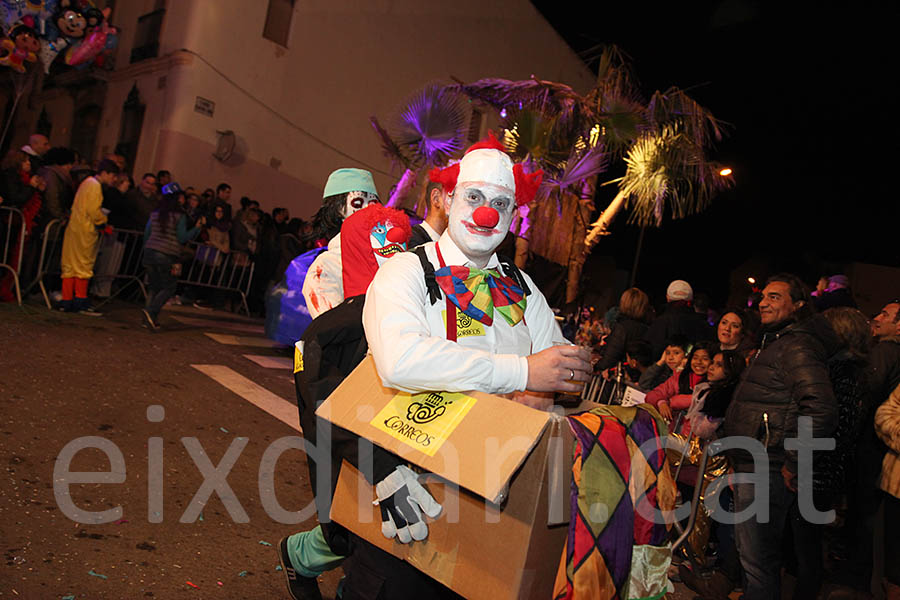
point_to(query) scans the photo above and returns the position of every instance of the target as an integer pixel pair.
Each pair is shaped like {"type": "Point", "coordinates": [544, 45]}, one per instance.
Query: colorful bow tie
{"type": "Point", "coordinates": [478, 292]}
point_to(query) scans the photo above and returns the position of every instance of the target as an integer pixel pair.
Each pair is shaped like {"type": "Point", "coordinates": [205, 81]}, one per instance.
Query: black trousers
{"type": "Point", "coordinates": [373, 574]}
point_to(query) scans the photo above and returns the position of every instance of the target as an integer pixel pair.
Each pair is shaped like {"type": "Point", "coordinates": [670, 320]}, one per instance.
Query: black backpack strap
{"type": "Point", "coordinates": [431, 284]}
{"type": "Point", "coordinates": [512, 271]}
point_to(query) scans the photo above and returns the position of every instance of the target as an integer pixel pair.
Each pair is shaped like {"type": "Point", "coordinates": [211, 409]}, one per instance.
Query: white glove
{"type": "Point", "coordinates": [403, 500]}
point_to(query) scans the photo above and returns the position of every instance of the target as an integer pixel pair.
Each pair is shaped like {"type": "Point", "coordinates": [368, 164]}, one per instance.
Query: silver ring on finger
{"type": "Point", "coordinates": [572, 371]}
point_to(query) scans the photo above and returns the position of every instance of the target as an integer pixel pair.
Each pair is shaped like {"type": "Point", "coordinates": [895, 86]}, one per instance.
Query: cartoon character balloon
{"type": "Point", "coordinates": [92, 44]}
{"type": "Point", "coordinates": [21, 46]}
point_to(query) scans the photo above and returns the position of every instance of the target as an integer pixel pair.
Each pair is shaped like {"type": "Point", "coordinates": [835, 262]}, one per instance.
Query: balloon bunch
{"type": "Point", "coordinates": [44, 29]}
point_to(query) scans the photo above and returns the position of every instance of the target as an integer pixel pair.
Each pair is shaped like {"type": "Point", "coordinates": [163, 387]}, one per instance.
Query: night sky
{"type": "Point", "coordinates": [812, 133]}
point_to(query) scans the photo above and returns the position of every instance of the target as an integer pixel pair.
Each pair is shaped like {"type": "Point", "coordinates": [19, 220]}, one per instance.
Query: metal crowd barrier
{"type": "Point", "coordinates": [48, 259]}
{"type": "Point", "coordinates": [12, 238]}
{"type": "Point", "coordinates": [120, 256]}
{"type": "Point", "coordinates": [210, 267]}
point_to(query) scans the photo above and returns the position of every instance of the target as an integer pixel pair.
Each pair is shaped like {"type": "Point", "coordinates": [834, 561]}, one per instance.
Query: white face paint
{"type": "Point", "coordinates": [357, 201]}
{"type": "Point", "coordinates": [478, 243]}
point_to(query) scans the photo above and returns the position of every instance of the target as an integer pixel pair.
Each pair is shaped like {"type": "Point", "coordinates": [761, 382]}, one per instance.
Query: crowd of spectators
{"type": "Point", "coordinates": [42, 183]}
{"type": "Point", "coordinates": [788, 360]}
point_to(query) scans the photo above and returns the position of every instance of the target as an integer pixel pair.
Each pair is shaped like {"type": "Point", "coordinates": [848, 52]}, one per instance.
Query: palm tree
{"type": "Point", "coordinates": [426, 131]}
{"type": "Point", "coordinates": [662, 143]}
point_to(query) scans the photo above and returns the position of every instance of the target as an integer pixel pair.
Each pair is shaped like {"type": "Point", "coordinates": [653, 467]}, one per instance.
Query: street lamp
{"type": "Point", "coordinates": [725, 172]}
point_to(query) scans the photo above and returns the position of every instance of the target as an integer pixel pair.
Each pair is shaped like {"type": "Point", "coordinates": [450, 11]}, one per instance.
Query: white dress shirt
{"type": "Point", "coordinates": [323, 287]}
{"type": "Point", "coordinates": [434, 235]}
{"type": "Point", "coordinates": [408, 338]}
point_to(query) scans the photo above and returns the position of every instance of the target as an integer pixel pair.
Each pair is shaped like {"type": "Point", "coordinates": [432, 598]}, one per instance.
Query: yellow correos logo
{"type": "Point", "coordinates": [423, 421]}
{"type": "Point", "coordinates": [298, 356]}
{"type": "Point", "coordinates": [466, 326]}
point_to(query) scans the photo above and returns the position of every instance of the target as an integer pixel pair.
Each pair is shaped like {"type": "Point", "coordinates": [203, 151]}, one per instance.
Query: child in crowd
{"type": "Point", "coordinates": [671, 362]}
{"type": "Point", "coordinates": [711, 398]}
{"type": "Point", "coordinates": [674, 394]}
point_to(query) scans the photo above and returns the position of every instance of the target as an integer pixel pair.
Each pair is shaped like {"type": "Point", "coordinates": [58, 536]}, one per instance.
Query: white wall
{"type": "Point", "coordinates": [346, 60]}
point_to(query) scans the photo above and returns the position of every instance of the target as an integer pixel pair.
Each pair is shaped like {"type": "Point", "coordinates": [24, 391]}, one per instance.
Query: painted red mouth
{"type": "Point", "coordinates": [483, 231]}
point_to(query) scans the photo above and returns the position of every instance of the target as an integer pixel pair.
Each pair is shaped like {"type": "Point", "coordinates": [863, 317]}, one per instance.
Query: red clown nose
{"type": "Point", "coordinates": [396, 235]}
{"type": "Point", "coordinates": [485, 216]}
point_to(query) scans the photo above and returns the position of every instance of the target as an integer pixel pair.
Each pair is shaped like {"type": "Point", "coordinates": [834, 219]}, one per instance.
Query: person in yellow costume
{"type": "Point", "coordinates": [82, 238]}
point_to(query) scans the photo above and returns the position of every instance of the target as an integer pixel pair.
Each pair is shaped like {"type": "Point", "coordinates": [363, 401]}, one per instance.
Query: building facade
{"type": "Point", "coordinates": [272, 95]}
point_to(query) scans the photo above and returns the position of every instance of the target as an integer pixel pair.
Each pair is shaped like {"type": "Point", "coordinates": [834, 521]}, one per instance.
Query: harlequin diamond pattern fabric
{"type": "Point", "coordinates": [477, 292]}
{"type": "Point", "coordinates": [620, 478]}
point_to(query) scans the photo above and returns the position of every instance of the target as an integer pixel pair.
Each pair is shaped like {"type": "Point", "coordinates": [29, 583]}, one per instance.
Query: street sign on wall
{"type": "Point", "coordinates": [204, 106]}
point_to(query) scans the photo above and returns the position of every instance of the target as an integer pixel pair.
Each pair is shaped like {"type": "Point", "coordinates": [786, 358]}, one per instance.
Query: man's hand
{"type": "Point", "coordinates": [554, 369]}
{"type": "Point", "coordinates": [402, 500]}
{"type": "Point", "coordinates": [790, 479]}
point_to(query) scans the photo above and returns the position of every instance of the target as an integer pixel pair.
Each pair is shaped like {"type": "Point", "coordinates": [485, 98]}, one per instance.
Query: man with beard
{"type": "Point", "coordinates": [510, 346]}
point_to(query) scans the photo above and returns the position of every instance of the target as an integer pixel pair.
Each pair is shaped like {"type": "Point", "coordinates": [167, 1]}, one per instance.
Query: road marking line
{"type": "Point", "coordinates": [192, 311]}
{"type": "Point", "coordinates": [275, 405]}
{"type": "Point", "coordinates": [209, 323]}
{"type": "Point", "coordinates": [233, 340]}
{"type": "Point", "coordinates": [271, 362]}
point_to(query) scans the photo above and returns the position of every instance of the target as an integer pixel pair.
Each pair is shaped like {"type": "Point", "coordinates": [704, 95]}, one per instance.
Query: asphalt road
{"type": "Point", "coordinates": [65, 377]}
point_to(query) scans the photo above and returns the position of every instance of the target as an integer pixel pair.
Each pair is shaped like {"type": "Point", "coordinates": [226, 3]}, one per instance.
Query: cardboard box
{"type": "Point", "coordinates": [501, 471]}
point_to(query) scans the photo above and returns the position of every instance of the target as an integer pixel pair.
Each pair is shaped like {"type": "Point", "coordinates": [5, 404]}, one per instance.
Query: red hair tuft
{"type": "Point", "coordinates": [526, 185]}
{"type": "Point", "coordinates": [491, 143]}
{"type": "Point", "coordinates": [446, 177]}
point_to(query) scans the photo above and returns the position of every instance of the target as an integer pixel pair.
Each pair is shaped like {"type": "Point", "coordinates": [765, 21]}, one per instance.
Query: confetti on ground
{"type": "Point", "coordinates": [223, 430]}
{"type": "Point", "coordinates": [201, 517]}
{"type": "Point", "coordinates": [242, 574]}
{"type": "Point", "coordinates": [264, 543]}
{"type": "Point", "coordinates": [193, 585]}
{"type": "Point", "coordinates": [92, 573]}
{"type": "Point", "coordinates": [120, 521]}
{"type": "Point", "coordinates": [69, 597]}
{"type": "Point", "coordinates": [220, 583]}
{"type": "Point", "coordinates": [278, 568]}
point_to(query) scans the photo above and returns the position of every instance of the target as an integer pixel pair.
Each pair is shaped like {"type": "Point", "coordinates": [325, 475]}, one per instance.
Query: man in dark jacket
{"type": "Point", "coordinates": [864, 496]}
{"type": "Point", "coordinates": [140, 201]}
{"type": "Point", "coordinates": [679, 318]}
{"type": "Point", "coordinates": [787, 379]}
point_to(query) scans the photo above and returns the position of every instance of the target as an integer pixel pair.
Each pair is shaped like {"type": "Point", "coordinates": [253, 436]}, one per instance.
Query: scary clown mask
{"type": "Point", "coordinates": [484, 189]}
{"type": "Point", "coordinates": [369, 237]}
{"type": "Point", "coordinates": [358, 200]}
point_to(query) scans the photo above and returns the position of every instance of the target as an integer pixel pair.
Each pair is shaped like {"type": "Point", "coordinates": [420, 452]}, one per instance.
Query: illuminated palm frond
{"type": "Point", "coordinates": [530, 135]}
{"type": "Point", "coordinates": [668, 172]}
{"type": "Point", "coordinates": [579, 167]}
{"type": "Point", "coordinates": [430, 126]}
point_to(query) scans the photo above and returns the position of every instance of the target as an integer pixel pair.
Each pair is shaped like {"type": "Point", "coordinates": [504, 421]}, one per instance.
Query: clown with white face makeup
{"type": "Point", "coordinates": [452, 316]}
{"type": "Point", "coordinates": [346, 192]}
